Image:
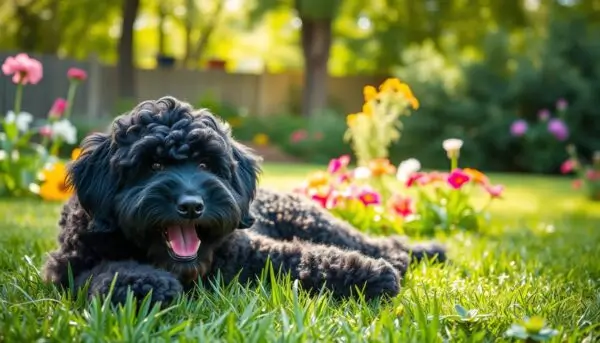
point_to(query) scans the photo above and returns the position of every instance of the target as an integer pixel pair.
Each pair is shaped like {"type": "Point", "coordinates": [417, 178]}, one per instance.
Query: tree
{"type": "Point", "coordinates": [125, 64]}
{"type": "Point", "coordinates": [317, 17]}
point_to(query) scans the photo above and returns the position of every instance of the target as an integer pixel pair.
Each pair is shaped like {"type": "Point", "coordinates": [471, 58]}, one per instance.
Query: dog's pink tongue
{"type": "Point", "coordinates": [183, 240]}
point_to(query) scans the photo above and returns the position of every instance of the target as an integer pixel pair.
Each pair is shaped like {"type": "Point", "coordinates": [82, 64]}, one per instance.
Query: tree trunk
{"type": "Point", "coordinates": [316, 44]}
{"type": "Point", "coordinates": [125, 65]}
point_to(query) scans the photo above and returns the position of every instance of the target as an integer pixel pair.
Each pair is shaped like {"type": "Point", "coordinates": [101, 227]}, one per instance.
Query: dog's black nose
{"type": "Point", "coordinates": [190, 206]}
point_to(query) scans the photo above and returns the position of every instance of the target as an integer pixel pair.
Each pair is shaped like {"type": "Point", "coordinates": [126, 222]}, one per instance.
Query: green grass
{"type": "Point", "coordinates": [540, 257]}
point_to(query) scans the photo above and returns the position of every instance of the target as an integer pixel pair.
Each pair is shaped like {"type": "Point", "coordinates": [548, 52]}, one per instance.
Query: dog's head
{"type": "Point", "coordinates": [171, 178]}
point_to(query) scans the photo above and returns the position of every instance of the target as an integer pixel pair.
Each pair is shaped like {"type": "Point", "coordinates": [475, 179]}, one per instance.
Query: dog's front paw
{"type": "Point", "coordinates": [163, 286]}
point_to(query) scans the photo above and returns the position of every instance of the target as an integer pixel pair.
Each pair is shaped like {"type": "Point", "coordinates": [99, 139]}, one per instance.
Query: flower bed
{"type": "Point", "coordinates": [378, 197]}
{"type": "Point", "coordinates": [29, 162]}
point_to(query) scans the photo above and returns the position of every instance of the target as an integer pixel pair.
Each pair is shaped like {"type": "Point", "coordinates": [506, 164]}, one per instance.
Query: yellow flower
{"type": "Point", "coordinates": [261, 139]}
{"type": "Point", "coordinates": [318, 179]}
{"type": "Point", "coordinates": [368, 108]}
{"type": "Point", "coordinates": [351, 119]}
{"type": "Point", "coordinates": [75, 153]}
{"type": "Point", "coordinates": [54, 187]}
{"type": "Point", "coordinates": [390, 85]}
{"type": "Point", "coordinates": [381, 166]}
{"type": "Point", "coordinates": [370, 93]}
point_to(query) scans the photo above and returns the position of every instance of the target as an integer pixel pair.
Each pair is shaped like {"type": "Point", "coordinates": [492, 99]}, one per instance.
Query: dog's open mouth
{"type": "Point", "coordinates": [182, 241]}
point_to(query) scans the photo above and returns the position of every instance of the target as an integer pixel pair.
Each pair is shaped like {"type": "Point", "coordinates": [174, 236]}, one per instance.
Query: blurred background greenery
{"type": "Point", "coordinates": [475, 65]}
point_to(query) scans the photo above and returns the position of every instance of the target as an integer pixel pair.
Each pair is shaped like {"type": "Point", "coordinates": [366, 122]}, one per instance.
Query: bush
{"type": "Point", "coordinates": [478, 101]}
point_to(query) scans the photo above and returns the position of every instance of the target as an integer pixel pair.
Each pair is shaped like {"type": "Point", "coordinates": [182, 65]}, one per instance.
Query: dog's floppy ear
{"type": "Point", "coordinates": [245, 180]}
{"type": "Point", "coordinates": [94, 182]}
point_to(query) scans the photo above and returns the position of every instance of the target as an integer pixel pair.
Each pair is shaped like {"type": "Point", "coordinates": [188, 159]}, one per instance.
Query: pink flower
{"type": "Point", "coordinates": [403, 206]}
{"type": "Point", "coordinates": [561, 104]}
{"type": "Point", "coordinates": [58, 108]}
{"type": "Point", "coordinates": [577, 184]}
{"type": "Point", "coordinates": [558, 129]}
{"type": "Point", "coordinates": [543, 115]}
{"type": "Point", "coordinates": [567, 166]}
{"type": "Point", "coordinates": [338, 164]}
{"type": "Point", "coordinates": [458, 178]}
{"type": "Point", "coordinates": [369, 197]}
{"type": "Point", "coordinates": [77, 74]}
{"type": "Point", "coordinates": [298, 136]}
{"type": "Point", "coordinates": [592, 175]}
{"type": "Point", "coordinates": [495, 191]}
{"type": "Point", "coordinates": [46, 131]}
{"type": "Point", "coordinates": [321, 196]}
{"type": "Point", "coordinates": [23, 68]}
{"type": "Point", "coordinates": [519, 128]}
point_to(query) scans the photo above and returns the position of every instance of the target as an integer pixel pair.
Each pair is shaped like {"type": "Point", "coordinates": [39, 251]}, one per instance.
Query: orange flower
{"type": "Point", "coordinates": [369, 93]}
{"type": "Point", "coordinates": [54, 187]}
{"type": "Point", "coordinates": [394, 85]}
{"type": "Point", "coordinates": [318, 179]}
{"type": "Point", "coordinates": [476, 176]}
{"type": "Point", "coordinates": [381, 166]}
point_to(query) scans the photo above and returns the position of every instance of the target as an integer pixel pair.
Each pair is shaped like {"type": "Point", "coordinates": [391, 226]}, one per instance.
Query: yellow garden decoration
{"type": "Point", "coordinates": [373, 130]}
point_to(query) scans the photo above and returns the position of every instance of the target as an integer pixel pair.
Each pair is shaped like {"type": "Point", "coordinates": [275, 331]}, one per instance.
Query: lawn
{"type": "Point", "coordinates": [540, 257]}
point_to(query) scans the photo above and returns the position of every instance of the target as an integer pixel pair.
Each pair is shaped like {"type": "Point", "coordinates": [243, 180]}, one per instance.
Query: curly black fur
{"type": "Point", "coordinates": [129, 184]}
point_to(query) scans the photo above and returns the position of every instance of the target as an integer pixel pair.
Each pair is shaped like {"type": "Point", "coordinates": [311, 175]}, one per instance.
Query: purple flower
{"type": "Point", "coordinates": [561, 104]}
{"type": "Point", "coordinates": [518, 128]}
{"type": "Point", "coordinates": [543, 115]}
{"type": "Point", "coordinates": [558, 129]}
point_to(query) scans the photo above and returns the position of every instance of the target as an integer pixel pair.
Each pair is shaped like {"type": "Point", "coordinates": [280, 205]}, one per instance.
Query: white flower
{"type": "Point", "coordinates": [22, 120]}
{"type": "Point", "coordinates": [407, 167]}
{"type": "Point", "coordinates": [65, 130]}
{"type": "Point", "coordinates": [452, 146]}
{"type": "Point", "coordinates": [362, 173]}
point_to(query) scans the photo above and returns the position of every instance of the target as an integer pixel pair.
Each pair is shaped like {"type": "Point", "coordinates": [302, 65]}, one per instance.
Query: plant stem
{"type": "Point", "coordinates": [70, 98]}
{"type": "Point", "coordinates": [18, 99]}
{"type": "Point", "coordinates": [453, 163]}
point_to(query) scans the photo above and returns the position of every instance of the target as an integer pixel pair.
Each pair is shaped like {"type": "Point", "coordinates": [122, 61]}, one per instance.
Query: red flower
{"type": "Point", "coordinates": [77, 74]}
{"type": "Point", "coordinates": [58, 108]}
{"type": "Point", "coordinates": [567, 166]}
{"type": "Point", "coordinates": [23, 68]}
{"type": "Point", "coordinates": [338, 164]}
{"type": "Point", "coordinates": [369, 197]}
{"type": "Point", "coordinates": [414, 177]}
{"type": "Point", "coordinates": [577, 184]}
{"type": "Point", "coordinates": [458, 178]}
{"type": "Point", "coordinates": [495, 191]}
{"type": "Point", "coordinates": [403, 206]}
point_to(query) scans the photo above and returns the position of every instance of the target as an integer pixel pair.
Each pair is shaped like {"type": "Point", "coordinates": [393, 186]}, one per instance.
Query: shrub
{"type": "Point", "coordinates": [478, 100]}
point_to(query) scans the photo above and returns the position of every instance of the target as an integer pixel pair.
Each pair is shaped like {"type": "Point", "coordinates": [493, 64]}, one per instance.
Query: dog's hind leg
{"type": "Point", "coordinates": [289, 216]}
{"type": "Point", "coordinates": [315, 266]}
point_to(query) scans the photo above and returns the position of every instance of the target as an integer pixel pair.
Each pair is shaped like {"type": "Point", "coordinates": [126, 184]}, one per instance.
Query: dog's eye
{"type": "Point", "coordinates": [157, 166]}
{"type": "Point", "coordinates": [203, 166]}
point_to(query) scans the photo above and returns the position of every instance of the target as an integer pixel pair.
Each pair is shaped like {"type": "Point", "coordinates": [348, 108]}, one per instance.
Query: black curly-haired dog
{"type": "Point", "coordinates": [168, 196]}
